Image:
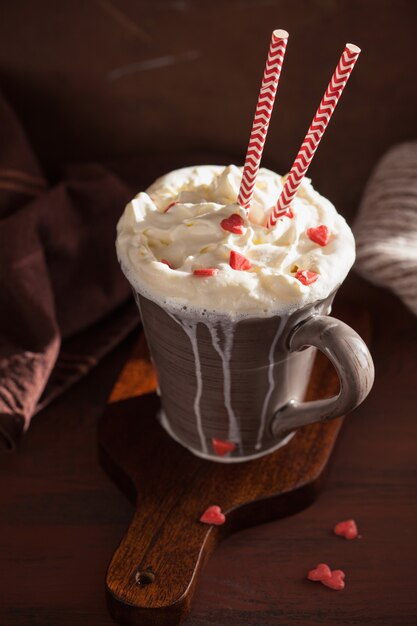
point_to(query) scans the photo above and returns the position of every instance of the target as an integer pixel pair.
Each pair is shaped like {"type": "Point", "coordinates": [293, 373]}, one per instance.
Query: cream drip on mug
{"type": "Point", "coordinates": [183, 224]}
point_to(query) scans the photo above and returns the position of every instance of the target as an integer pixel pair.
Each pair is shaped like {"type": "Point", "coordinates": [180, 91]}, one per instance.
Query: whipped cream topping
{"type": "Point", "coordinates": [174, 228]}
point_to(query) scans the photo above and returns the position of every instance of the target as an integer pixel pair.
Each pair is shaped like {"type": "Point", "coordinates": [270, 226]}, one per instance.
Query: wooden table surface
{"type": "Point", "coordinates": [61, 517]}
{"type": "Point", "coordinates": [71, 70]}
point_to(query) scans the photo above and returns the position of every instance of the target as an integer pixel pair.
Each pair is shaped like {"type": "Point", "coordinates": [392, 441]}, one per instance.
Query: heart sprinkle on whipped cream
{"type": "Point", "coordinates": [188, 224]}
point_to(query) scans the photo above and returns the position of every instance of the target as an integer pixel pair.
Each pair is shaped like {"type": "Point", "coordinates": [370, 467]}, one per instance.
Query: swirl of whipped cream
{"type": "Point", "coordinates": [173, 229]}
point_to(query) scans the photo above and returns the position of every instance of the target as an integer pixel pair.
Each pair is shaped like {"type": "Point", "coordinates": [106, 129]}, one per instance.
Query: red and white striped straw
{"type": "Point", "coordinates": [262, 116]}
{"type": "Point", "coordinates": [315, 133]}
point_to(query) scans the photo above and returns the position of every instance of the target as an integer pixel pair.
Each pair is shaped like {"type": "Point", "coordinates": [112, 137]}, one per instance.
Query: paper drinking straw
{"type": "Point", "coordinates": [262, 116]}
{"type": "Point", "coordinates": [315, 132]}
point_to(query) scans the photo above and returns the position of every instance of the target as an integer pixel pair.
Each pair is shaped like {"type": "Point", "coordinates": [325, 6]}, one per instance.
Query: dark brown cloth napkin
{"type": "Point", "coordinates": [64, 302]}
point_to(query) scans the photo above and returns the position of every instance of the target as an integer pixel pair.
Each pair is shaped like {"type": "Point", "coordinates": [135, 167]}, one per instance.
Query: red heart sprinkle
{"type": "Point", "coordinates": [239, 262]}
{"type": "Point", "coordinates": [222, 447]}
{"type": "Point", "coordinates": [234, 224]}
{"type": "Point", "coordinates": [305, 277]}
{"type": "Point", "coordinates": [320, 235]}
{"type": "Point", "coordinates": [213, 515]}
{"type": "Point", "coordinates": [169, 206]}
{"type": "Point", "coordinates": [336, 580]}
{"type": "Point", "coordinates": [347, 529]}
{"type": "Point", "coordinates": [205, 271]}
{"type": "Point", "coordinates": [321, 572]}
{"type": "Point", "coordinates": [167, 263]}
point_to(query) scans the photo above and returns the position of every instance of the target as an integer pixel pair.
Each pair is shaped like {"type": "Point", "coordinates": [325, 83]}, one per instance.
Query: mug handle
{"type": "Point", "coordinates": [353, 364]}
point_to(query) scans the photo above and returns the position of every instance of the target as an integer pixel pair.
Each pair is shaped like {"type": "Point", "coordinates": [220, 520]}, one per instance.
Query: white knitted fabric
{"type": "Point", "coordinates": [386, 226]}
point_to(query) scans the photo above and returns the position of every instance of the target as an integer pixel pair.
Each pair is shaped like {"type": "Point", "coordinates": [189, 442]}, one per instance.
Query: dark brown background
{"type": "Point", "coordinates": [80, 76]}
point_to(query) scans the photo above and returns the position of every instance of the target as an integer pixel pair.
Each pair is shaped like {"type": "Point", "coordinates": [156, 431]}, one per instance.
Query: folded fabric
{"type": "Point", "coordinates": [58, 277]}
{"type": "Point", "coordinates": [386, 226]}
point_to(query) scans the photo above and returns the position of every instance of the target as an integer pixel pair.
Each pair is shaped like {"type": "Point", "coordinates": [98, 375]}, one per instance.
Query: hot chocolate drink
{"type": "Point", "coordinates": [227, 306]}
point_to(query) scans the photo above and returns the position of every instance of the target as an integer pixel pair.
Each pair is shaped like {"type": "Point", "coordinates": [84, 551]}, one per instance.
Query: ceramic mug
{"type": "Point", "coordinates": [232, 391]}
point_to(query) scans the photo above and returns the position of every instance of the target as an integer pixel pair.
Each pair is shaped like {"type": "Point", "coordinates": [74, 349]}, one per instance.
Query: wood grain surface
{"type": "Point", "coordinates": [154, 572]}
{"type": "Point", "coordinates": [62, 519]}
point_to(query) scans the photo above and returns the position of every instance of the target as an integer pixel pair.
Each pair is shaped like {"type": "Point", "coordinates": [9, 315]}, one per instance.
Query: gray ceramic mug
{"type": "Point", "coordinates": [234, 391]}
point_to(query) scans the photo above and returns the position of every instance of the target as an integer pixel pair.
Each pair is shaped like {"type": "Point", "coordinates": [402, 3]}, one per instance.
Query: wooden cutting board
{"type": "Point", "coordinates": [153, 574]}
